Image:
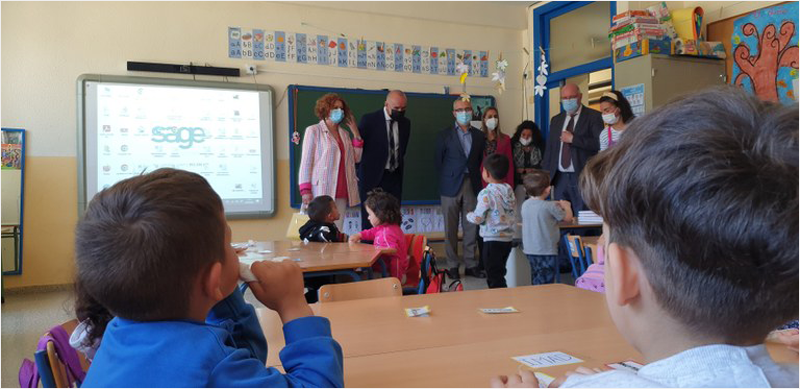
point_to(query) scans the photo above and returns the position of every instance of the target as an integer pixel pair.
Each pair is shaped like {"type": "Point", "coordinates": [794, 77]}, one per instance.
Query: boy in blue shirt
{"type": "Point", "coordinates": [700, 208]}
{"type": "Point", "coordinates": [155, 250]}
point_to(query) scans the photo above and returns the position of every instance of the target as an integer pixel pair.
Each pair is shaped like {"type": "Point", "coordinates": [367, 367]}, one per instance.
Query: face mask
{"type": "Point", "coordinates": [570, 105]}
{"type": "Point", "coordinates": [524, 141]}
{"type": "Point", "coordinates": [397, 115]}
{"type": "Point", "coordinates": [336, 115]}
{"type": "Point", "coordinates": [463, 118]}
{"type": "Point", "coordinates": [610, 118]}
{"type": "Point", "coordinates": [491, 123]}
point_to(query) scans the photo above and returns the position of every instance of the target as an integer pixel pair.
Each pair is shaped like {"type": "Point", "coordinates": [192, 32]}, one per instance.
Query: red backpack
{"type": "Point", "coordinates": [432, 279]}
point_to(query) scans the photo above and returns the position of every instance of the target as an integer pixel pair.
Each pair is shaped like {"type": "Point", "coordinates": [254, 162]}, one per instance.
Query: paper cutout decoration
{"type": "Point", "coordinates": [765, 52]}
{"type": "Point", "coordinates": [296, 138]}
{"type": "Point", "coordinates": [499, 77]}
{"type": "Point", "coordinates": [462, 70]}
{"type": "Point", "coordinates": [541, 79]}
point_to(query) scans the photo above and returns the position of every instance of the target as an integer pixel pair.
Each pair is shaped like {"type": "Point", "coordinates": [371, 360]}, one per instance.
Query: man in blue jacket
{"type": "Point", "coordinates": [385, 133]}
{"type": "Point", "coordinates": [155, 250]}
{"type": "Point", "coordinates": [459, 151]}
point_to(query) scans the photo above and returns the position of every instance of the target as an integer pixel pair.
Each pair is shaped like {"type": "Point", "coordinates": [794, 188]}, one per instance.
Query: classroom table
{"type": "Point", "coordinates": [458, 346]}
{"type": "Point", "coordinates": [316, 259]}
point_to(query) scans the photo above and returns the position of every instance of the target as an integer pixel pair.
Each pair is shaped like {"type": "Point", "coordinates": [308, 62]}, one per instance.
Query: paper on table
{"type": "Point", "coordinates": [499, 310]}
{"type": "Point", "coordinates": [544, 379]}
{"type": "Point", "coordinates": [554, 358]}
{"type": "Point", "coordinates": [418, 312]}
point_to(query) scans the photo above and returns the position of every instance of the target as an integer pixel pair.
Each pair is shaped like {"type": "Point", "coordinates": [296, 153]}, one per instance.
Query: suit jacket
{"type": "Point", "coordinates": [585, 143]}
{"type": "Point", "coordinates": [376, 147]}
{"type": "Point", "coordinates": [451, 161]}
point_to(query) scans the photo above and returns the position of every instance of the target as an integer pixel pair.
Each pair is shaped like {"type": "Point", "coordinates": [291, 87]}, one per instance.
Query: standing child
{"type": "Point", "coordinates": [701, 242]}
{"type": "Point", "coordinates": [384, 213]}
{"type": "Point", "coordinates": [540, 232]}
{"type": "Point", "coordinates": [495, 216]}
{"type": "Point", "coordinates": [321, 227]}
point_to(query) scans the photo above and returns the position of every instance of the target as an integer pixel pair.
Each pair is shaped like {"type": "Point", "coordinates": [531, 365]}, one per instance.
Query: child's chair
{"type": "Point", "coordinates": [382, 287]}
{"type": "Point", "coordinates": [416, 250]}
{"type": "Point", "coordinates": [576, 255]}
{"type": "Point", "coordinates": [57, 363]}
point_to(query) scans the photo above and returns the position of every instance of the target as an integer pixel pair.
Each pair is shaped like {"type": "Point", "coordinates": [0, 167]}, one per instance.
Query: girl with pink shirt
{"type": "Point", "coordinates": [384, 213]}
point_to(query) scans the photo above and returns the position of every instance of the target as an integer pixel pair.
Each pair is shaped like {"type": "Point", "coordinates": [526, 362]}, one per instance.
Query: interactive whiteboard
{"type": "Point", "coordinates": [222, 131]}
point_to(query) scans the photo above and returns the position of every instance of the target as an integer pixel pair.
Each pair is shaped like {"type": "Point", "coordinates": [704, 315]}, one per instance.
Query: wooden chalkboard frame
{"type": "Point", "coordinates": [293, 91]}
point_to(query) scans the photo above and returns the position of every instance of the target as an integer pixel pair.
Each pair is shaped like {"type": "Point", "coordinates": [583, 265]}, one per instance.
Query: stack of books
{"type": "Point", "coordinates": [634, 26]}
{"type": "Point", "coordinates": [589, 217]}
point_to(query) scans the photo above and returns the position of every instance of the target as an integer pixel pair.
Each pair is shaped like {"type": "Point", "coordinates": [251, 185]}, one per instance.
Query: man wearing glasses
{"type": "Point", "coordinates": [459, 149]}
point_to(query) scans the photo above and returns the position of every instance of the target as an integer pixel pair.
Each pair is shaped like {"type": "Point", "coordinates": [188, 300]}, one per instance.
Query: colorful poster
{"type": "Point", "coordinates": [302, 49]}
{"type": "Point", "coordinates": [269, 45]}
{"type": "Point", "coordinates": [361, 60]}
{"type": "Point", "coordinates": [234, 42]}
{"type": "Point", "coordinates": [333, 52]}
{"type": "Point", "coordinates": [258, 45]}
{"type": "Point", "coordinates": [398, 57]}
{"type": "Point", "coordinates": [451, 62]}
{"type": "Point", "coordinates": [416, 59]}
{"type": "Point", "coordinates": [291, 47]}
{"type": "Point", "coordinates": [426, 61]}
{"type": "Point", "coordinates": [389, 56]}
{"type": "Point", "coordinates": [442, 62]}
{"type": "Point", "coordinates": [12, 156]}
{"type": "Point", "coordinates": [247, 44]}
{"type": "Point", "coordinates": [409, 224]}
{"type": "Point", "coordinates": [484, 64]}
{"type": "Point", "coordinates": [765, 52]}
{"type": "Point", "coordinates": [322, 53]}
{"type": "Point", "coordinates": [635, 96]}
{"type": "Point", "coordinates": [434, 60]}
{"type": "Point", "coordinates": [312, 49]}
{"type": "Point", "coordinates": [280, 46]}
{"type": "Point", "coordinates": [380, 56]}
{"type": "Point", "coordinates": [341, 52]}
{"type": "Point", "coordinates": [466, 57]}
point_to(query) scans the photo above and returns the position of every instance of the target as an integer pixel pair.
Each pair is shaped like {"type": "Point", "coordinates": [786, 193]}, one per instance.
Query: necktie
{"type": "Point", "coordinates": [392, 151]}
{"type": "Point", "coordinates": [566, 155]}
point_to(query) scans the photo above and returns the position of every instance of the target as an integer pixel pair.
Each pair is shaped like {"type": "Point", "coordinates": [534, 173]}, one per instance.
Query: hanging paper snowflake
{"type": "Point", "coordinates": [541, 79]}
{"type": "Point", "coordinates": [500, 75]}
{"type": "Point", "coordinates": [463, 70]}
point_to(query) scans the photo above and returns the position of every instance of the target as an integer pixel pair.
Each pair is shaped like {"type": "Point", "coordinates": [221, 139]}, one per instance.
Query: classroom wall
{"type": "Point", "coordinates": [46, 46]}
{"type": "Point", "coordinates": [713, 11]}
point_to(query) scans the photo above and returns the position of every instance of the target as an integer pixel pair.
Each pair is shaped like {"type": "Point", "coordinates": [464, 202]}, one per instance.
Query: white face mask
{"type": "Point", "coordinates": [524, 141]}
{"type": "Point", "coordinates": [610, 118]}
{"type": "Point", "coordinates": [491, 123]}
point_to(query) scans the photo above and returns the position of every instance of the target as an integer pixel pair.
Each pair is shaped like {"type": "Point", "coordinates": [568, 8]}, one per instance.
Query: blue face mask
{"type": "Point", "coordinates": [570, 105]}
{"type": "Point", "coordinates": [463, 118]}
{"type": "Point", "coordinates": [336, 115]}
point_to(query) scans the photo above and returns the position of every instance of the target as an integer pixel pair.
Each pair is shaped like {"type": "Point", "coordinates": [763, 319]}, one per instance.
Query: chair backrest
{"type": "Point", "coordinates": [575, 254]}
{"type": "Point", "coordinates": [382, 287]}
{"type": "Point", "coordinates": [416, 250]}
{"type": "Point", "coordinates": [57, 363]}
{"type": "Point", "coordinates": [57, 366]}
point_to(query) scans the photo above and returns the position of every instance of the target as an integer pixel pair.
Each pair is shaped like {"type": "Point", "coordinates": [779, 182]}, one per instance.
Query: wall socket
{"type": "Point", "coordinates": [250, 69]}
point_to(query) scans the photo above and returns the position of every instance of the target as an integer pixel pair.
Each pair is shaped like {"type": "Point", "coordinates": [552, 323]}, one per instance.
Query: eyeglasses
{"type": "Point", "coordinates": [463, 110]}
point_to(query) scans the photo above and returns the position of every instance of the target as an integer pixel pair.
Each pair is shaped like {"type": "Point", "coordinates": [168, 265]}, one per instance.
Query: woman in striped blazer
{"type": "Point", "coordinates": [330, 154]}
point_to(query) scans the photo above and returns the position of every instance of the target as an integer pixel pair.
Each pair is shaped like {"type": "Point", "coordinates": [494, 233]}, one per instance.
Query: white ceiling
{"type": "Point", "coordinates": [500, 14]}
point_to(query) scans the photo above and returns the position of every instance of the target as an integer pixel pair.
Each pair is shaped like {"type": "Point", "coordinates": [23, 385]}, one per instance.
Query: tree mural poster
{"type": "Point", "coordinates": [765, 53]}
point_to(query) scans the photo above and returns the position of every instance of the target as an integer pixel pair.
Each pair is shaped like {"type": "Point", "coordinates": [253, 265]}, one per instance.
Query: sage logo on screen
{"type": "Point", "coordinates": [186, 137]}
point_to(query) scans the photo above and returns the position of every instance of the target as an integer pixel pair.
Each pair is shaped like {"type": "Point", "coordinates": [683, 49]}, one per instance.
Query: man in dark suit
{"type": "Point", "coordinates": [385, 133]}
{"type": "Point", "coordinates": [459, 150]}
{"type": "Point", "coordinates": [573, 139]}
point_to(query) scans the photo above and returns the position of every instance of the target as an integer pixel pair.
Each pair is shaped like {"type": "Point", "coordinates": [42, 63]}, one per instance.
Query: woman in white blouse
{"type": "Point", "coordinates": [617, 114]}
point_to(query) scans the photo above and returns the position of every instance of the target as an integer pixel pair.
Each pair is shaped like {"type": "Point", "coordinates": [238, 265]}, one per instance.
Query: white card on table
{"type": "Point", "coordinates": [555, 358]}
{"type": "Point", "coordinates": [418, 312]}
{"type": "Point", "coordinates": [630, 366]}
{"type": "Point", "coordinates": [499, 310]}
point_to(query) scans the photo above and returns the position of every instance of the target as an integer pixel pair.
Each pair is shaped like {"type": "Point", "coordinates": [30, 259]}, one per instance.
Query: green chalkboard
{"type": "Point", "coordinates": [429, 113]}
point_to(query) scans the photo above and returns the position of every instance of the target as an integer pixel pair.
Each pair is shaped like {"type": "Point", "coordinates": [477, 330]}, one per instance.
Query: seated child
{"type": "Point", "coordinates": [540, 232]}
{"type": "Point", "coordinates": [322, 213]}
{"type": "Point", "coordinates": [93, 319]}
{"type": "Point", "coordinates": [495, 214]}
{"type": "Point", "coordinates": [155, 250]}
{"type": "Point", "coordinates": [700, 207]}
{"type": "Point", "coordinates": [384, 213]}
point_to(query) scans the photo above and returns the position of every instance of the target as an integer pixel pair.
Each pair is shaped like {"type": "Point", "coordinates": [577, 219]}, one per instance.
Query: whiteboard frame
{"type": "Point", "coordinates": [267, 132]}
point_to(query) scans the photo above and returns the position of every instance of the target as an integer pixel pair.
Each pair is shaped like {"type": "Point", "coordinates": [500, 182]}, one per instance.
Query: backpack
{"type": "Point", "coordinates": [29, 371]}
{"type": "Point", "coordinates": [433, 280]}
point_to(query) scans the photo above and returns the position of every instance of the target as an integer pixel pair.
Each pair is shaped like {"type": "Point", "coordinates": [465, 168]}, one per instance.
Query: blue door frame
{"type": "Point", "coordinates": [541, 38]}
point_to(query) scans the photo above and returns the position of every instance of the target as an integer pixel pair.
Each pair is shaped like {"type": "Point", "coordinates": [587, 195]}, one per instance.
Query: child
{"type": "Point", "coordinates": [155, 251]}
{"type": "Point", "coordinates": [93, 321]}
{"type": "Point", "coordinates": [384, 213]}
{"type": "Point", "coordinates": [322, 213]}
{"type": "Point", "coordinates": [701, 241]}
{"type": "Point", "coordinates": [495, 213]}
{"type": "Point", "coordinates": [540, 232]}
